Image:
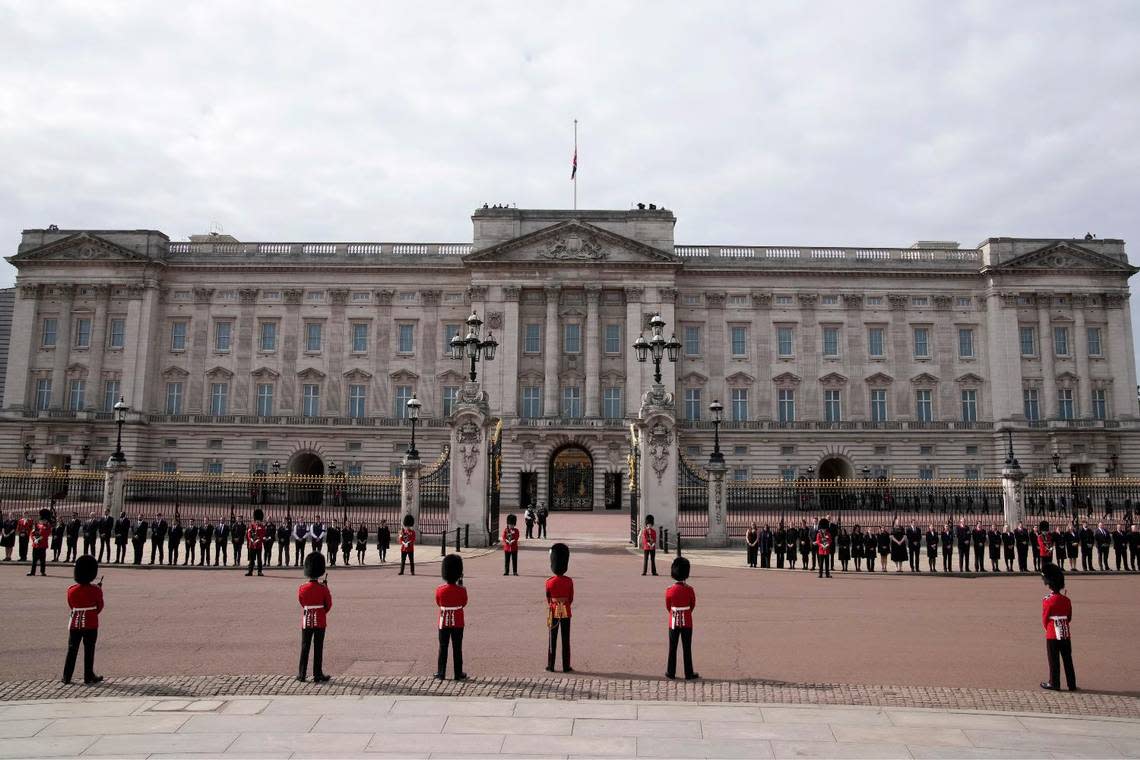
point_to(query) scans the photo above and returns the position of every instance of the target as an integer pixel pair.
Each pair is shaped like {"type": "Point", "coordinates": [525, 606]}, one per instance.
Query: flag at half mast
{"type": "Point", "coordinates": [574, 164]}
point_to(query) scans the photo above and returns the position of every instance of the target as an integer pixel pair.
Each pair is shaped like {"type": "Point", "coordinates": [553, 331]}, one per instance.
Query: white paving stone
{"type": "Point", "coordinates": [385, 724]}
{"type": "Point", "coordinates": [127, 744]}
{"type": "Point", "coordinates": [474, 743]}
{"type": "Point", "coordinates": [739, 729]}
{"type": "Point", "coordinates": [556, 708]}
{"type": "Point", "coordinates": [939, 719]}
{"type": "Point", "coordinates": [781, 749]}
{"type": "Point", "coordinates": [14, 729]}
{"type": "Point", "coordinates": [471, 724]}
{"type": "Point", "coordinates": [240, 724]}
{"type": "Point", "coordinates": [676, 729]}
{"type": "Point", "coordinates": [299, 742]}
{"type": "Point", "coordinates": [132, 724]}
{"type": "Point", "coordinates": [47, 746]}
{"type": "Point", "coordinates": [486, 707]}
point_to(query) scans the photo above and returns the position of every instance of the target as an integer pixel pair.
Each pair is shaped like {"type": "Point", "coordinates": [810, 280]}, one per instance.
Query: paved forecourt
{"type": "Point", "coordinates": [441, 727]}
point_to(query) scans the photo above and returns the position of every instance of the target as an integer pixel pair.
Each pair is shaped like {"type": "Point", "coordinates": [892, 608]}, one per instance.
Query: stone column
{"type": "Point", "coordinates": [116, 475]}
{"type": "Point", "coordinates": [508, 352]}
{"type": "Point", "coordinates": [657, 445]}
{"type": "Point", "coordinates": [62, 347]}
{"type": "Point", "coordinates": [593, 349]}
{"type": "Point", "coordinates": [428, 352]}
{"type": "Point", "coordinates": [1118, 323]}
{"type": "Point", "coordinates": [1045, 349]}
{"type": "Point", "coordinates": [1080, 350]}
{"type": "Point", "coordinates": [1005, 375]}
{"type": "Point", "coordinates": [137, 356]}
{"type": "Point", "coordinates": [22, 348]}
{"type": "Point", "coordinates": [245, 336]}
{"type": "Point", "coordinates": [99, 347]}
{"type": "Point", "coordinates": [1013, 494]}
{"type": "Point", "coordinates": [718, 521]}
{"type": "Point", "coordinates": [633, 368]}
{"type": "Point", "coordinates": [201, 350]}
{"type": "Point", "coordinates": [410, 487]}
{"type": "Point", "coordinates": [550, 355]}
{"type": "Point", "coordinates": [382, 356]}
{"type": "Point", "coordinates": [470, 428]}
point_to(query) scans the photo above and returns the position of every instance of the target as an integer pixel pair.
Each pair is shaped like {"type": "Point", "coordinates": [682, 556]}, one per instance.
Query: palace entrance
{"type": "Point", "coordinates": [571, 480]}
{"type": "Point", "coordinates": [835, 468]}
{"type": "Point", "coordinates": [311, 469]}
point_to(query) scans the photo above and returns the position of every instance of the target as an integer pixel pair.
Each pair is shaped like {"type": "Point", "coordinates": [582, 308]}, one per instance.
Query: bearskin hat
{"type": "Point", "coordinates": [680, 569]}
{"type": "Point", "coordinates": [409, 521]}
{"type": "Point", "coordinates": [451, 569]}
{"type": "Point", "coordinates": [314, 565]}
{"type": "Point", "coordinates": [512, 519]}
{"type": "Point", "coordinates": [258, 515]}
{"type": "Point", "coordinates": [86, 568]}
{"type": "Point", "coordinates": [649, 520]}
{"type": "Point", "coordinates": [559, 559]}
{"type": "Point", "coordinates": [1054, 577]}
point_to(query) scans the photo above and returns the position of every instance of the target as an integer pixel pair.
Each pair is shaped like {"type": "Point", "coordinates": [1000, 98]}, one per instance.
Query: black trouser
{"type": "Point", "coordinates": [843, 561]}
{"type": "Point", "coordinates": [1046, 560]}
{"type": "Point", "coordinates": [510, 559]}
{"type": "Point", "coordinates": [204, 557]}
{"type": "Point", "coordinates": [410, 558]}
{"type": "Point", "coordinates": [360, 549]}
{"type": "Point", "coordinates": [870, 563]}
{"type": "Point", "coordinates": [1036, 560]}
{"type": "Point", "coordinates": [530, 528]}
{"type": "Point", "coordinates": [298, 552]}
{"type": "Point", "coordinates": [994, 559]}
{"type": "Point", "coordinates": [804, 557]}
{"type": "Point", "coordinates": [1086, 559]}
{"type": "Point", "coordinates": [1023, 558]}
{"type": "Point", "coordinates": [648, 560]}
{"type": "Point", "coordinates": [56, 548]}
{"type": "Point", "coordinates": [120, 552]}
{"type": "Point", "coordinates": [254, 556]}
{"type": "Point", "coordinates": [88, 636]}
{"type": "Point", "coordinates": [237, 554]}
{"type": "Point", "coordinates": [542, 528]}
{"type": "Point", "coordinates": [780, 560]}
{"type": "Point", "coordinates": [346, 552]}
{"type": "Point", "coordinates": [221, 553]}
{"type": "Point", "coordinates": [824, 563]}
{"type": "Point", "coordinates": [685, 636]}
{"type": "Point", "coordinates": [172, 554]}
{"type": "Point", "coordinates": [765, 559]}
{"type": "Point", "coordinates": [157, 546]}
{"type": "Point", "coordinates": [556, 625]}
{"type": "Point", "coordinates": [979, 560]}
{"type": "Point", "coordinates": [1008, 557]}
{"type": "Point", "coordinates": [138, 547]}
{"type": "Point", "coordinates": [316, 637]}
{"type": "Point", "coordinates": [963, 558]}
{"type": "Point", "coordinates": [39, 557]}
{"type": "Point", "coordinates": [1102, 557]}
{"type": "Point", "coordinates": [23, 542]}
{"type": "Point", "coordinates": [912, 552]}
{"type": "Point", "coordinates": [104, 543]}
{"type": "Point", "coordinates": [383, 553]}
{"type": "Point", "coordinates": [267, 552]}
{"type": "Point", "coordinates": [72, 549]}
{"type": "Point", "coordinates": [931, 560]}
{"type": "Point", "coordinates": [1121, 556]}
{"type": "Point", "coordinates": [334, 548]}
{"type": "Point", "coordinates": [455, 636]}
{"type": "Point", "coordinates": [858, 562]}
{"type": "Point", "coordinates": [947, 560]}
{"type": "Point", "coordinates": [1060, 649]}
{"type": "Point", "coordinates": [751, 554]}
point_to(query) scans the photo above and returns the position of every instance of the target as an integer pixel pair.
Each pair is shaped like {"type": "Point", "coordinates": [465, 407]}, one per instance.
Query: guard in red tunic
{"type": "Point", "coordinates": [559, 598]}
{"type": "Point", "coordinates": [40, 536]}
{"type": "Point", "coordinates": [823, 547]}
{"type": "Point", "coordinates": [1056, 616]}
{"type": "Point", "coordinates": [680, 601]}
{"type": "Point", "coordinates": [23, 534]}
{"type": "Point", "coordinates": [316, 601]}
{"type": "Point", "coordinates": [86, 602]}
{"type": "Point", "coordinates": [451, 598]}
{"type": "Point", "coordinates": [511, 546]}
{"type": "Point", "coordinates": [648, 541]}
{"type": "Point", "coordinates": [408, 544]}
{"type": "Point", "coordinates": [1044, 544]}
{"type": "Point", "coordinates": [255, 540]}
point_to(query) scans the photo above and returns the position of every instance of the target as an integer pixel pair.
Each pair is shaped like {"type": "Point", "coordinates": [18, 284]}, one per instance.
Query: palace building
{"type": "Point", "coordinates": [838, 361]}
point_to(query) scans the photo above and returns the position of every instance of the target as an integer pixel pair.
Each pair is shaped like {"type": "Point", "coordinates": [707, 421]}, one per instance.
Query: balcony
{"type": "Point", "coordinates": [816, 425]}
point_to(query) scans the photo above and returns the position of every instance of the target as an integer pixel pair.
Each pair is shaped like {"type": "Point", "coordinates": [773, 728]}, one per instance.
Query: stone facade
{"type": "Point", "coordinates": [905, 361]}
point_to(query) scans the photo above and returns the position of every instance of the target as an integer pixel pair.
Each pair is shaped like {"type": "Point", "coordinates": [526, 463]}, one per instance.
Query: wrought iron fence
{"type": "Point", "coordinates": [435, 494]}
{"type": "Point", "coordinates": [64, 491]}
{"type": "Point", "coordinates": [1110, 499]}
{"type": "Point", "coordinates": [692, 499]}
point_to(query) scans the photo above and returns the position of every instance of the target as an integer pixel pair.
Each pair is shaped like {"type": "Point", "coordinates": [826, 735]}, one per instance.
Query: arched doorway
{"type": "Point", "coordinates": [835, 468]}
{"type": "Point", "coordinates": [571, 479]}
{"type": "Point", "coordinates": [307, 464]}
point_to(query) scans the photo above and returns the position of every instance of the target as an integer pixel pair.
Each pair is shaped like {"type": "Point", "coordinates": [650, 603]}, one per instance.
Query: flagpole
{"type": "Point", "coordinates": [575, 164]}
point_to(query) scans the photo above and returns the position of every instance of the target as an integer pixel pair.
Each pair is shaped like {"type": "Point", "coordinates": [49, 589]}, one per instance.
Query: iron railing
{"type": "Point", "coordinates": [63, 491]}
{"type": "Point", "coordinates": [692, 499]}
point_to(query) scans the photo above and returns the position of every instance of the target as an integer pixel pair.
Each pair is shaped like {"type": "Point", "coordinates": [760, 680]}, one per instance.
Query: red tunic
{"type": "Point", "coordinates": [24, 527]}
{"type": "Point", "coordinates": [86, 602]}
{"type": "Point", "coordinates": [823, 542]}
{"type": "Point", "coordinates": [680, 600]}
{"type": "Point", "coordinates": [648, 539]}
{"type": "Point", "coordinates": [1044, 545]}
{"type": "Point", "coordinates": [510, 539]}
{"type": "Point", "coordinates": [407, 540]}
{"type": "Point", "coordinates": [451, 600]}
{"type": "Point", "coordinates": [316, 601]}
{"type": "Point", "coordinates": [40, 535]}
{"type": "Point", "coordinates": [1056, 612]}
{"type": "Point", "coordinates": [559, 595]}
{"type": "Point", "coordinates": [255, 535]}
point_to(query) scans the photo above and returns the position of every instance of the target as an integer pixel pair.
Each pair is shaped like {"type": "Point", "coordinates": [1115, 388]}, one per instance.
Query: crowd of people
{"type": "Point", "coordinates": [1078, 545]}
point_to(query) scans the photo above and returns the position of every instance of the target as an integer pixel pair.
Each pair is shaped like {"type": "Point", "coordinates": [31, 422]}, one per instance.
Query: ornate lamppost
{"type": "Point", "coordinates": [717, 410]}
{"type": "Point", "coordinates": [120, 409]}
{"type": "Point", "coordinates": [29, 460]}
{"type": "Point", "coordinates": [413, 407]}
{"type": "Point", "coordinates": [1072, 481]}
{"type": "Point", "coordinates": [472, 346]}
{"type": "Point", "coordinates": [657, 346]}
{"type": "Point", "coordinates": [1110, 469]}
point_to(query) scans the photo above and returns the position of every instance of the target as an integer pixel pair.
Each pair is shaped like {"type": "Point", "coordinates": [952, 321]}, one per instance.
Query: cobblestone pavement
{"type": "Point", "coordinates": [439, 727]}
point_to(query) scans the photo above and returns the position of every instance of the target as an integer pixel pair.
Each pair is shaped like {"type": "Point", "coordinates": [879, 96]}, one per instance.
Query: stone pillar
{"type": "Point", "coordinates": [142, 309]}
{"type": "Point", "coordinates": [94, 398]}
{"type": "Point", "coordinates": [633, 368]}
{"type": "Point", "coordinates": [1013, 493]}
{"type": "Point", "coordinates": [550, 356]}
{"type": "Point", "coordinates": [62, 348]}
{"type": "Point", "coordinates": [1119, 352]}
{"type": "Point", "coordinates": [1045, 348]}
{"type": "Point", "coordinates": [1079, 348]}
{"type": "Point", "coordinates": [508, 352]}
{"type": "Point", "coordinates": [470, 427]}
{"type": "Point", "coordinates": [410, 487]}
{"type": "Point", "coordinates": [593, 349]}
{"type": "Point", "coordinates": [22, 348]}
{"type": "Point", "coordinates": [718, 520]}
{"type": "Point", "coordinates": [657, 445]}
{"type": "Point", "coordinates": [116, 476]}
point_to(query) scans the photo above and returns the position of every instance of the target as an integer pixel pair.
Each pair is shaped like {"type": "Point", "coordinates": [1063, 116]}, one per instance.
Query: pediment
{"type": "Point", "coordinates": [357, 374]}
{"type": "Point", "coordinates": [173, 371]}
{"type": "Point", "coordinates": [787, 378]}
{"type": "Point", "coordinates": [219, 372]}
{"type": "Point", "coordinates": [261, 372]}
{"type": "Point", "coordinates": [833, 378]}
{"type": "Point", "coordinates": [1064, 256]}
{"type": "Point", "coordinates": [879, 378]}
{"type": "Point", "coordinates": [1067, 377]}
{"type": "Point", "coordinates": [969, 379]}
{"type": "Point", "coordinates": [531, 377]}
{"type": "Point", "coordinates": [612, 376]}
{"type": "Point", "coordinates": [403, 375]}
{"type": "Point", "coordinates": [740, 378]}
{"type": "Point", "coordinates": [571, 242]}
{"type": "Point", "coordinates": [451, 376]}
{"type": "Point", "coordinates": [82, 246]}
{"type": "Point", "coordinates": [924, 378]}
{"type": "Point", "coordinates": [311, 373]}
{"type": "Point", "coordinates": [77, 369]}
{"type": "Point", "coordinates": [693, 377]}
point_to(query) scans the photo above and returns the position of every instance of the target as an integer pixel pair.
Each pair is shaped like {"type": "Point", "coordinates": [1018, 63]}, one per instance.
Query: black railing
{"type": "Point", "coordinates": [435, 495]}
{"type": "Point", "coordinates": [692, 500]}
{"type": "Point", "coordinates": [64, 491]}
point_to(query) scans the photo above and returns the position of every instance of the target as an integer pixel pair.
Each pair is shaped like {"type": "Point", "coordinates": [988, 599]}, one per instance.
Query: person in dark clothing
{"type": "Point", "coordinates": [90, 532]}
{"type": "Point", "coordinates": [751, 544]}
{"type": "Point", "coordinates": [804, 538]}
{"type": "Point", "coordinates": [978, 541]}
{"type": "Point", "coordinates": [559, 602]}
{"type": "Point", "coordinates": [843, 546]}
{"type": "Point", "coordinates": [857, 547]}
{"type": "Point", "coordinates": [191, 539]}
{"type": "Point", "coordinates": [1120, 547]}
{"type": "Point", "coordinates": [913, 547]}
{"type": "Point", "coordinates": [383, 540]}
{"type": "Point", "coordinates": [221, 543]}
{"type": "Point", "coordinates": [283, 532]}
{"type": "Point", "coordinates": [962, 536]}
{"type": "Point", "coordinates": [361, 543]}
{"type": "Point", "coordinates": [74, 528]}
{"type": "Point", "coordinates": [1103, 540]}
{"type": "Point", "coordinates": [270, 540]}
{"type": "Point", "coordinates": [870, 545]}
{"type": "Point", "coordinates": [158, 530]}
{"type": "Point", "coordinates": [1021, 542]}
{"type": "Point", "coordinates": [884, 547]}
{"type": "Point", "coordinates": [205, 541]}
{"type": "Point", "coordinates": [1085, 537]}
{"type": "Point", "coordinates": [451, 598]}
{"type": "Point", "coordinates": [1007, 540]}
{"type": "Point", "coordinates": [1056, 616]}
{"type": "Point", "coordinates": [57, 531]}
{"type": "Point", "coordinates": [237, 538]}
{"type": "Point", "coordinates": [946, 538]}
{"type": "Point", "coordinates": [332, 537]}
{"type": "Point", "coordinates": [1134, 549]}
{"type": "Point", "coordinates": [138, 538]}
{"type": "Point", "coordinates": [122, 534]}
{"type": "Point", "coordinates": [993, 543]}
{"type": "Point", "coordinates": [931, 547]}
{"type": "Point", "coordinates": [791, 542]}
{"type": "Point", "coordinates": [107, 526]}
{"type": "Point", "coordinates": [1073, 544]}
{"type": "Point", "coordinates": [174, 542]}
{"type": "Point", "coordinates": [767, 541]}
{"type": "Point", "coordinates": [780, 541]}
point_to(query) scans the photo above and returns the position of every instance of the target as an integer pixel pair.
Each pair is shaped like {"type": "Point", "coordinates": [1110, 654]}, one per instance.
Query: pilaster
{"type": "Point", "coordinates": [551, 355]}
{"type": "Point", "coordinates": [470, 427]}
{"type": "Point", "coordinates": [593, 350]}
{"type": "Point", "coordinates": [718, 523]}
{"type": "Point", "coordinates": [62, 355]}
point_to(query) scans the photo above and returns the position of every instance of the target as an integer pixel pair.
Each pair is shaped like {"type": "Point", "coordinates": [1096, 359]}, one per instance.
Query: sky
{"type": "Point", "coordinates": [809, 123]}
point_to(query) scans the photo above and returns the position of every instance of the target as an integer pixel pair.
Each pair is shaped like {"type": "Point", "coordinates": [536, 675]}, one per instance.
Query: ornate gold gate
{"type": "Point", "coordinates": [571, 480]}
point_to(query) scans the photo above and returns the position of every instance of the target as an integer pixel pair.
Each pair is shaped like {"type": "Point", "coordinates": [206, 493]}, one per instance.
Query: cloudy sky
{"type": "Point", "coordinates": [851, 123]}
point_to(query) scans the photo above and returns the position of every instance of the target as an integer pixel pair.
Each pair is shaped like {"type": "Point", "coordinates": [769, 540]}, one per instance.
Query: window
{"type": "Point", "coordinates": [874, 300]}
{"type": "Point", "coordinates": [882, 451]}
{"type": "Point", "coordinates": [692, 403]}
{"type": "Point", "coordinates": [169, 466]}
{"type": "Point", "coordinates": [692, 340]}
{"type": "Point", "coordinates": [110, 394]}
{"type": "Point", "coordinates": [922, 342]}
{"type": "Point", "coordinates": [740, 473]}
{"type": "Point", "coordinates": [785, 341]}
{"type": "Point", "coordinates": [178, 336]}
{"type": "Point", "coordinates": [875, 342]}
{"type": "Point", "coordinates": [450, 396]}
{"type": "Point", "coordinates": [531, 401]}
{"type": "Point", "coordinates": [832, 409]}
{"type": "Point", "coordinates": [313, 336]}
{"type": "Point", "coordinates": [963, 300]}
{"type": "Point", "coordinates": [831, 341]}
{"type": "Point", "coordinates": [1061, 341]}
{"type": "Point", "coordinates": [972, 473]}
{"type": "Point", "coordinates": [219, 398]}
{"type": "Point", "coordinates": [878, 405]}
{"type": "Point", "coordinates": [920, 301]}
{"type": "Point", "coordinates": [740, 451]}
{"type": "Point", "coordinates": [739, 404]}
{"type": "Point", "coordinates": [923, 406]}
{"type": "Point", "coordinates": [355, 470]}
{"type": "Point", "coordinates": [215, 443]}
{"type": "Point", "coordinates": [356, 396]}
{"type": "Point", "coordinates": [969, 406]}
{"type": "Point", "coordinates": [449, 332]}
{"type": "Point", "coordinates": [48, 332]}
{"type": "Point", "coordinates": [788, 474]}
{"type": "Point", "coordinates": [829, 300]}
{"type": "Point", "coordinates": [1028, 339]}
{"type": "Point", "coordinates": [1094, 341]}
{"type": "Point", "coordinates": [572, 402]}
{"type": "Point", "coordinates": [532, 339]}
{"type": "Point", "coordinates": [1100, 404]}
{"type": "Point", "coordinates": [174, 398]}
{"type": "Point", "coordinates": [965, 343]}
{"type": "Point", "coordinates": [118, 337]}
{"type": "Point", "coordinates": [971, 451]}
{"type": "Point", "coordinates": [267, 337]}
{"type": "Point", "coordinates": [310, 400]}
{"type": "Point", "coordinates": [43, 394]}
{"type": "Point", "coordinates": [1032, 408]}
{"type": "Point", "coordinates": [786, 405]}
{"type": "Point", "coordinates": [213, 467]}
{"type": "Point", "coordinates": [1065, 409]}
{"type": "Point", "coordinates": [926, 472]}
{"type": "Point", "coordinates": [83, 333]}
{"type": "Point", "coordinates": [611, 403]}
{"type": "Point", "coordinates": [787, 451]}
{"type": "Point", "coordinates": [613, 339]}
{"type": "Point", "coordinates": [76, 390]}
{"type": "Point", "coordinates": [403, 394]}
{"type": "Point", "coordinates": [739, 338]}
{"type": "Point", "coordinates": [572, 338]}
{"type": "Point", "coordinates": [359, 337]}
{"type": "Point", "coordinates": [223, 332]}
{"type": "Point", "coordinates": [265, 399]}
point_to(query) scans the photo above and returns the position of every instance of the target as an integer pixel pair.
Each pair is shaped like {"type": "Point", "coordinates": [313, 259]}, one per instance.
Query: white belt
{"type": "Point", "coordinates": [83, 609]}
{"type": "Point", "coordinates": [78, 616]}
{"type": "Point", "coordinates": [680, 609]}
{"type": "Point", "coordinates": [677, 617]}
{"type": "Point", "coordinates": [445, 609]}
{"type": "Point", "coordinates": [313, 607]}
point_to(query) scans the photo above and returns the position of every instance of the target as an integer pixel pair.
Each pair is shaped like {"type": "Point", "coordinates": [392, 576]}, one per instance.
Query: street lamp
{"type": "Point", "coordinates": [276, 467]}
{"type": "Point", "coordinates": [120, 409]}
{"type": "Point", "coordinates": [413, 406]}
{"type": "Point", "coordinates": [657, 346]}
{"type": "Point", "coordinates": [1111, 468]}
{"type": "Point", "coordinates": [717, 410]}
{"type": "Point", "coordinates": [28, 458]}
{"type": "Point", "coordinates": [1011, 460]}
{"type": "Point", "coordinates": [1057, 462]}
{"type": "Point", "coordinates": [332, 467]}
{"type": "Point", "coordinates": [473, 346]}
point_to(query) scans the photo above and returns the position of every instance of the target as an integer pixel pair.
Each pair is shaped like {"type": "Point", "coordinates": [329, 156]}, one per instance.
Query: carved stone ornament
{"type": "Point", "coordinates": [634, 295]}
{"type": "Point", "coordinates": [1114, 300]}
{"type": "Point", "coordinates": [495, 320]}
{"type": "Point", "coordinates": [808, 300]}
{"type": "Point", "coordinates": [942, 303]}
{"type": "Point", "coordinates": [431, 297]}
{"type": "Point", "coordinates": [469, 438]}
{"type": "Point", "coordinates": [476, 293]}
{"type": "Point", "coordinates": [574, 248]}
{"type": "Point", "coordinates": [511, 292]}
{"type": "Point", "coordinates": [135, 291]}
{"type": "Point", "coordinates": [384, 297]}
{"type": "Point", "coordinates": [660, 445]}
{"type": "Point", "coordinates": [761, 300]}
{"type": "Point", "coordinates": [203, 295]}
{"type": "Point", "coordinates": [293, 296]}
{"type": "Point", "coordinates": [897, 301]}
{"type": "Point", "coordinates": [30, 292]}
{"type": "Point", "coordinates": [1009, 300]}
{"type": "Point", "coordinates": [853, 300]}
{"type": "Point", "coordinates": [657, 398]}
{"type": "Point", "coordinates": [667, 295]}
{"type": "Point", "coordinates": [339, 296]}
{"type": "Point", "coordinates": [718, 498]}
{"type": "Point", "coordinates": [247, 295]}
{"type": "Point", "coordinates": [715, 300]}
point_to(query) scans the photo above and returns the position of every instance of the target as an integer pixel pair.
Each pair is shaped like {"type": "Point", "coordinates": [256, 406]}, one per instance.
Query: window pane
{"type": "Point", "coordinates": [403, 394]}
{"type": "Point", "coordinates": [268, 339]}
{"type": "Point", "coordinates": [692, 403]}
{"type": "Point", "coordinates": [832, 411]}
{"type": "Point", "coordinates": [110, 394]}
{"type": "Point", "coordinates": [359, 338]}
{"type": "Point", "coordinates": [265, 399]}
{"type": "Point", "coordinates": [178, 336]}
{"type": "Point", "coordinates": [572, 340]}
{"type": "Point", "coordinates": [1094, 341]}
{"type": "Point", "coordinates": [449, 332]}
{"type": "Point", "coordinates": [923, 410]}
{"type": "Point", "coordinates": [739, 404]}
{"type": "Point", "coordinates": [613, 339]}
{"type": "Point", "coordinates": [739, 341]}
{"type": "Point", "coordinates": [878, 405]}
{"type": "Point", "coordinates": [450, 394]}
{"type": "Point", "coordinates": [1028, 341]}
{"type": "Point", "coordinates": [532, 343]}
{"type": "Point", "coordinates": [965, 343]}
{"type": "Point", "coordinates": [43, 394]}
{"type": "Point", "coordinates": [1061, 341]}
{"type": "Point", "coordinates": [969, 406]}
{"type": "Point", "coordinates": [174, 398]}
{"type": "Point", "coordinates": [692, 340]}
{"type": "Point", "coordinates": [531, 401]}
{"type": "Point", "coordinates": [786, 405]}
{"type": "Point", "coordinates": [48, 333]}
{"type": "Point", "coordinates": [1100, 404]}
{"type": "Point", "coordinates": [313, 336]}
{"type": "Point", "coordinates": [1065, 408]}
{"type": "Point", "coordinates": [875, 341]}
{"type": "Point", "coordinates": [571, 402]}
{"type": "Point", "coordinates": [784, 341]}
{"type": "Point", "coordinates": [1029, 397]}
{"type": "Point", "coordinates": [356, 395]}
{"type": "Point", "coordinates": [118, 333]}
{"type": "Point", "coordinates": [921, 342]}
{"type": "Point", "coordinates": [222, 336]}
{"type": "Point", "coordinates": [611, 403]}
{"type": "Point", "coordinates": [76, 392]}
{"type": "Point", "coordinates": [831, 341]}
{"type": "Point", "coordinates": [83, 333]}
{"type": "Point", "coordinates": [219, 398]}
